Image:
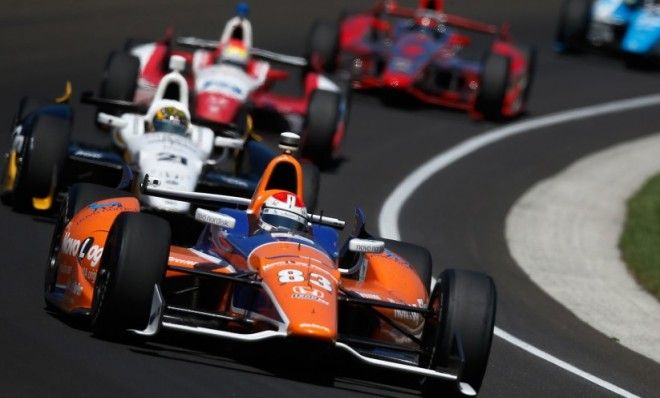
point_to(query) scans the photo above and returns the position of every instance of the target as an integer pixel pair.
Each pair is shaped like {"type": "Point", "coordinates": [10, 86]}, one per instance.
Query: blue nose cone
{"type": "Point", "coordinates": [242, 9]}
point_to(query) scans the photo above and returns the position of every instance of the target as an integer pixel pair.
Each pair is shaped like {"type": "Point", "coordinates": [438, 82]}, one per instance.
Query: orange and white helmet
{"type": "Point", "coordinates": [235, 52]}
{"type": "Point", "coordinates": [283, 211]}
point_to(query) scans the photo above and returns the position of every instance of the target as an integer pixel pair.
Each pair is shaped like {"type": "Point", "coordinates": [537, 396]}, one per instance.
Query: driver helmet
{"type": "Point", "coordinates": [235, 53]}
{"type": "Point", "coordinates": [170, 119]}
{"type": "Point", "coordinates": [283, 211]}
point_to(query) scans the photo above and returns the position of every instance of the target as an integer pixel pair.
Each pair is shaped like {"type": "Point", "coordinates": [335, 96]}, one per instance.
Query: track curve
{"type": "Point", "coordinates": [459, 213]}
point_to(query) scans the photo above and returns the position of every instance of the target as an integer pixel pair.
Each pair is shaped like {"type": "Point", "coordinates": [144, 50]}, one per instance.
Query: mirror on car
{"type": "Point", "coordinates": [366, 245]}
{"type": "Point", "coordinates": [215, 218]}
{"type": "Point", "coordinates": [110, 120]}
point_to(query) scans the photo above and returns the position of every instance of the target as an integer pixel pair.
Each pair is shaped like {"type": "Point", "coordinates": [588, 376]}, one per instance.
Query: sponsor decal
{"type": "Point", "coordinates": [105, 206]}
{"type": "Point", "coordinates": [407, 315]}
{"type": "Point", "coordinates": [221, 86]}
{"type": "Point", "coordinates": [369, 295]}
{"type": "Point", "coordinates": [88, 154]}
{"type": "Point", "coordinates": [308, 293]}
{"type": "Point", "coordinates": [308, 290]}
{"type": "Point", "coordinates": [89, 274]}
{"type": "Point", "coordinates": [182, 261]}
{"type": "Point", "coordinates": [309, 297]}
{"type": "Point", "coordinates": [75, 288]}
{"type": "Point", "coordinates": [172, 157]}
{"type": "Point", "coordinates": [94, 255]}
{"type": "Point", "coordinates": [70, 246]}
{"type": "Point", "coordinates": [393, 256]}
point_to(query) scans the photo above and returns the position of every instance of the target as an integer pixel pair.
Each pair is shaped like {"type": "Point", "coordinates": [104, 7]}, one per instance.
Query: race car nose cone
{"type": "Point", "coordinates": [313, 330]}
{"type": "Point", "coordinates": [397, 81]}
{"type": "Point", "coordinates": [394, 83]}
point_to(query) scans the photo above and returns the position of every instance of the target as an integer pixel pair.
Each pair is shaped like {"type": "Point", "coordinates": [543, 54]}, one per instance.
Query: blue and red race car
{"type": "Point", "coordinates": [418, 51]}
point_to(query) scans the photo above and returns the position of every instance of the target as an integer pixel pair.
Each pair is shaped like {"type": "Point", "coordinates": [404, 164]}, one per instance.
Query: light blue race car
{"type": "Point", "coordinates": [631, 27]}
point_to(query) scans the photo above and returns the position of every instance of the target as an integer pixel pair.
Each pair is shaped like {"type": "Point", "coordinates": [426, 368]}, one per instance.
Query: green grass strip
{"type": "Point", "coordinates": [640, 241]}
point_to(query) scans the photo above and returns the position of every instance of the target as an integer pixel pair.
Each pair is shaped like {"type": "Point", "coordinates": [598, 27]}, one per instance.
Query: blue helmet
{"type": "Point", "coordinates": [242, 9]}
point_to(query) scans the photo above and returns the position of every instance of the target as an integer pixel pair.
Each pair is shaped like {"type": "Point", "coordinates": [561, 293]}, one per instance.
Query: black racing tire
{"type": "Point", "coordinates": [531, 57]}
{"type": "Point", "coordinates": [26, 106]}
{"type": "Point", "coordinates": [133, 263]}
{"type": "Point", "coordinates": [573, 25]}
{"type": "Point", "coordinates": [311, 185]}
{"type": "Point", "coordinates": [493, 85]}
{"type": "Point", "coordinates": [322, 47]}
{"type": "Point", "coordinates": [464, 304]}
{"type": "Point", "coordinates": [79, 196]}
{"type": "Point", "coordinates": [417, 256]}
{"type": "Point", "coordinates": [120, 77]}
{"type": "Point", "coordinates": [320, 126]}
{"type": "Point", "coordinates": [42, 160]}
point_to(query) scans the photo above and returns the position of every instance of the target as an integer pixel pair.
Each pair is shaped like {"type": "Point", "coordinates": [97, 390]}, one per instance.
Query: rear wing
{"type": "Point", "coordinates": [393, 9]}
{"type": "Point", "coordinates": [210, 45]}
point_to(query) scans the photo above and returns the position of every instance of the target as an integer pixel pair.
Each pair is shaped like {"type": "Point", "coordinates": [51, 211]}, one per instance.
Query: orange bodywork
{"type": "Point", "coordinates": [302, 281]}
{"type": "Point", "coordinates": [77, 275]}
{"type": "Point", "coordinates": [298, 281]}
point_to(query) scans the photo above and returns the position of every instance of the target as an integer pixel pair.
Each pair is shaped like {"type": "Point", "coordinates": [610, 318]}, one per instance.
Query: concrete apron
{"type": "Point", "coordinates": [564, 232]}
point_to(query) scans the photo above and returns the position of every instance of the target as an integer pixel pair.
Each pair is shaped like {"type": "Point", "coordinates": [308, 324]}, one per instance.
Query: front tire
{"type": "Point", "coordinates": [311, 184]}
{"type": "Point", "coordinates": [464, 306]}
{"type": "Point", "coordinates": [120, 77]}
{"type": "Point", "coordinates": [42, 162]}
{"type": "Point", "coordinates": [322, 46]}
{"type": "Point", "coordinates": [133, 263]}
{"type": "Point", "coordinates": [573, 25]}
{"type": "Point", "coordinates": [321, 126]}
{"type": "Point", "coordinates": [493, 85]}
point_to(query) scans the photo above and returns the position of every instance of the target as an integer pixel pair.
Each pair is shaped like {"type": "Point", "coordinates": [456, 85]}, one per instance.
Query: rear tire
{"type": "Point", "coordinates": [120, 77]}
{"type": "Point", "coordinates": [464, 303]}
{"type": "Point", "coordinates": [134, 261]}
{"type": "Point", "coordinates": [42, 160]}
{"type": "Point", "coordinates": [26, 106]}
{"type": "Point", "coordinates": [322, 46]}
{"type": "Point", "coordinates": [311, 183]}
{"type": "Point", "coordinates": [494, 83]}
{"type": "Point", "coordinates": [417, 256]}
{"type": "Point", "coordinates": [573, 25]}
{"type": "Point", "coordinates": [321, 126]}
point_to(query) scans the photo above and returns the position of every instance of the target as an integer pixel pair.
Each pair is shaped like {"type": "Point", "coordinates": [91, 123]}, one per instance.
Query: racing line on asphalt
{"type": "Point", "coordinates": [388, 219]}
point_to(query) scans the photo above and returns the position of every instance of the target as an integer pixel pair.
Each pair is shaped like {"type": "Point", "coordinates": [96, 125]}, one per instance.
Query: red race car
{"type": "Point", "coordinates": [418, 51]}
{"type": "Point", "coordinates": [231, 83]}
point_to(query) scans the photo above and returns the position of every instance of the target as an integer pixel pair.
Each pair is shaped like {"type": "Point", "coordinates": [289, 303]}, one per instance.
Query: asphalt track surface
{"type": "Point", "coordinates": [459, 213]}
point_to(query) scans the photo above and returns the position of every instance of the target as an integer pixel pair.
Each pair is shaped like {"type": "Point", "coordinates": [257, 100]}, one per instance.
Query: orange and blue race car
{"type": "Point", "coordinates": [419, 53]}
{"type": "Point", "coordinates": [270, 271]}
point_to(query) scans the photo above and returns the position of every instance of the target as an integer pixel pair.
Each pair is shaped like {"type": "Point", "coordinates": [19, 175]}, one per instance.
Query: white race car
{"type": "Point", "coordinates": [230, 78]}
{"type": "Point", "coordinates": [164, 144]}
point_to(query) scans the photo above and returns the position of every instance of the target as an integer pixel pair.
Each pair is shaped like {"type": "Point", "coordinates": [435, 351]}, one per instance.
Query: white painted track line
{"type": "Point", "coordinates": [562, 364]}
{"type": "Point", "coordinates": [388, 220]}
